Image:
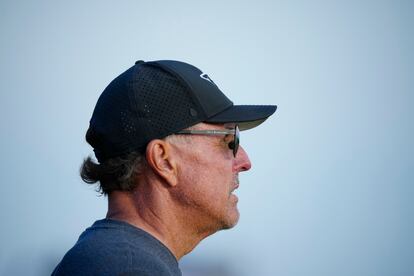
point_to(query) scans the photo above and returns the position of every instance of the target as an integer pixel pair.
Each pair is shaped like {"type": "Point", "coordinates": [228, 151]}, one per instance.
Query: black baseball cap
{"type": "Point", "coordinates": [154, 99]}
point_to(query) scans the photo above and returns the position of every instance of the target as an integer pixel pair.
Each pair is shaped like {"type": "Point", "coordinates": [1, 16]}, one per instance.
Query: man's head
{"type": "Point", "coordinates": [169, 122]}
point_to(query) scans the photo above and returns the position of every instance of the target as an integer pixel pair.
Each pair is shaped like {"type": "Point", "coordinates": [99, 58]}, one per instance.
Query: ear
{"type": "Point", "coordinates": [161, 160]}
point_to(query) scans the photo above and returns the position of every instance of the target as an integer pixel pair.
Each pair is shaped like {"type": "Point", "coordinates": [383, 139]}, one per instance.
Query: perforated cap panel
{"type": "Point", "coordinates": [142, 104]}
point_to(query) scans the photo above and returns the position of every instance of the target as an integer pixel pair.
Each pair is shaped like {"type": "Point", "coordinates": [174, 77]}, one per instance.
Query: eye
{"type": "Point", "coordinates": [228, 141]}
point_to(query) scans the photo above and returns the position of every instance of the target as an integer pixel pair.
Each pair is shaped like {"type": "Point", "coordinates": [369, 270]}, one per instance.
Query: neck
{"type": "Point", "coordinates": [151, 208]}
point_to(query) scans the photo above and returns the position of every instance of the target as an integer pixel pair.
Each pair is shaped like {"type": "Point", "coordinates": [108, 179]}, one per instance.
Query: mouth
{"type": "Point", "coordinates": [235, 184]}
{"type": "Point", "coordinates": [235, 187]}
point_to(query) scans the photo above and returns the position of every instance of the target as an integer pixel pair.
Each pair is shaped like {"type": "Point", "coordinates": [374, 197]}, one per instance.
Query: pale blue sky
{"type": "Point", "coordinates": [331, 188]}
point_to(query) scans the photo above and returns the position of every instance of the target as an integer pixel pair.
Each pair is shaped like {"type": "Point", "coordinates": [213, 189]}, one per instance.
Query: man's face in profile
{"type": "Point", "coordinates": [208, 174]}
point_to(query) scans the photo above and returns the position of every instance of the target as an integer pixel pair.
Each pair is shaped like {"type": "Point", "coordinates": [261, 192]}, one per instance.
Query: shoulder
{"type": "Point", "coordinates": [116, 249]}
{"type": "Point", "coordinates": [118, 262]}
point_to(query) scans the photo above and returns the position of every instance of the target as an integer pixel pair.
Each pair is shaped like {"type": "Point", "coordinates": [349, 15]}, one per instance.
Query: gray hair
{"type": "Point", "coordinates": [120, 173]}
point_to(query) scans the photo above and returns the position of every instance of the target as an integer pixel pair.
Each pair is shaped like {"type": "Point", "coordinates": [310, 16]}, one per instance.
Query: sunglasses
{"type": "Point", "coordinates": [233, 144]}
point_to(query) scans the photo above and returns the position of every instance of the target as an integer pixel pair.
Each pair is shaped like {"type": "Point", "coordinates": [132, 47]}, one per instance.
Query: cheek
{"type": "Point", "coordinates": [210, 166]}
{"type": "Point", "coordinates": [207, 181]}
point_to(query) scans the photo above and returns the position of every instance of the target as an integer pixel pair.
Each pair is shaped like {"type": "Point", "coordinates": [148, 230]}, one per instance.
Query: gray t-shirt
{"type": "Point", "coordinates": [111, 247]}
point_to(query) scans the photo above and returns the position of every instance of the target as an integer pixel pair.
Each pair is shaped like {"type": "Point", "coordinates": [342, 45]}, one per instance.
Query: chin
{"type": "Point", "coordinates": [231, 219]}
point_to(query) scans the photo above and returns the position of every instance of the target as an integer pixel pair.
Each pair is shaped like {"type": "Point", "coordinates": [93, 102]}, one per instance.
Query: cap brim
{"type": "Point", "coordinates": [246, 116]}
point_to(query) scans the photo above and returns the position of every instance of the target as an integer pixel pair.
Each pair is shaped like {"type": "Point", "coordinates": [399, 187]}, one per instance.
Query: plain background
{"type": "Point", "coordinates": [331, 188]}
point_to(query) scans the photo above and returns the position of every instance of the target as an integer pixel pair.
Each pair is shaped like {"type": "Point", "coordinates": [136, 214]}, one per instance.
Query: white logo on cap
{"type": "Point", "coordinates": [207, 78]}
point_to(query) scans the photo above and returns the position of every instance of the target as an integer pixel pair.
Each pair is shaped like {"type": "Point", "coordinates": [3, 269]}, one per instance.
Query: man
{"type": "Point", "coordinates": [167, 144]}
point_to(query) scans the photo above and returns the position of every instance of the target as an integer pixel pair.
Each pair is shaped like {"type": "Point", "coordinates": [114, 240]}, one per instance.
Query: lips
{"type": "Point", "coordinates": [235, 187]}
{"type": "Point", "coordinates": [236, 183]}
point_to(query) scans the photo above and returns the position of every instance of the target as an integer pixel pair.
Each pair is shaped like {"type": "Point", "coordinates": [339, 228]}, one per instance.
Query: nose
{"type": "Point", "coordinates": [242, 161]}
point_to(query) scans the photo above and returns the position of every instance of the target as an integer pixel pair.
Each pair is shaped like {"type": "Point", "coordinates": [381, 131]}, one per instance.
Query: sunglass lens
{"type": "Point", "coordinates": [234, 145]}
{"type": "Point", "coordinates": [236, 140]}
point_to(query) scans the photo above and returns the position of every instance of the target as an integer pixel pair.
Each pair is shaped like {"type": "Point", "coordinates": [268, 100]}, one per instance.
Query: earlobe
{"type": "Point", "coordinates": [160, 159]}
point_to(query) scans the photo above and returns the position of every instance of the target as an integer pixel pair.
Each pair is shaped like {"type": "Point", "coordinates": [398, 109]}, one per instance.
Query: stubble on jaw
{"type": "Point", "coordinates": [201, 211]}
